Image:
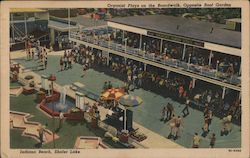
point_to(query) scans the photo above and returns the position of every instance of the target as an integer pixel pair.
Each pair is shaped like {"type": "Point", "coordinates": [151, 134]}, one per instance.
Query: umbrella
{"type": "Point", "coordinates": [129, 100]}
{"type": "Point", "coordinates": [112, 94]}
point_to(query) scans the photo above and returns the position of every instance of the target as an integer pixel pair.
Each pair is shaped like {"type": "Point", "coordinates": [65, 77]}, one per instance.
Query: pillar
{"type": "Point", "coordinates": [52, 36]}
{"type": "Point", "coordinates": [25, 24]}
{"type": "Point", "coordinates": [123, 35]}
{"type": "Point", "coordinates": [144, 49]}
{"type": "Point", "coordinates": [240, 70]}
{"type": "Point", "coordinates": [184, 51]}
{"type": "Point", "coordinates": [45, 82]}
{"type": "Point", "coordinates": [223, 92]}
{"type": "Point", "coordinates": [68, 22]}
{"type": "Point", "coordinates": [193, 82]}
{"type": "Point", "coordinates": [108, 59]}
{"type": "Point", "coordinates": [12, 24]}
{"type": "Point", "coordinates": [210, 58]}
{"type": "Point", "coordinates": [126, 40]}
{"type": "Point", "coordinates": [80, 101]}
{"type": "Point", "coordinates": [161, 45]}
{"type": "Point", "coordinates": [140, 42]}
{"type": "Point", "coordinates": [168, 73]}
{"type": "Point", "coordinates": [145, 67]}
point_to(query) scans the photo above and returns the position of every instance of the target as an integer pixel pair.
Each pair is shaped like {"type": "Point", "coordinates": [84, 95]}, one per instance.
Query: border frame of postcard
{"type": "Point", "coordinates": [224, 152]}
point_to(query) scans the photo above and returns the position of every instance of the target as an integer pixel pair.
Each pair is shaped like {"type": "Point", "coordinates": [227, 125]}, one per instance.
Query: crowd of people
{"type": "Point", "coordinates": [225, 64]}
{"type": "Point", "coordinates": [177, 87]}
{"type": "Point", "coordinates": [33, 48]}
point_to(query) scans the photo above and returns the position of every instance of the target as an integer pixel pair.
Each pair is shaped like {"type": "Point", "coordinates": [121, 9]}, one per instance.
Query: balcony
{"type": "Point", "coordinates": [174, 63]}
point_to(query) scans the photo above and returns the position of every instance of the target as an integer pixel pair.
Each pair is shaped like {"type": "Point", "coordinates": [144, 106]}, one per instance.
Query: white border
{"type": "Point", "coordinates": [204, 153]}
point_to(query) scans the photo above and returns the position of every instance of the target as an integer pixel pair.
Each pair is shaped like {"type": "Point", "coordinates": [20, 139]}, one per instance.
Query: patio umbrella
{"type": "Point", "coordinates": [112, 94]}
{"type": "Point", "coordinates": [129, 100]}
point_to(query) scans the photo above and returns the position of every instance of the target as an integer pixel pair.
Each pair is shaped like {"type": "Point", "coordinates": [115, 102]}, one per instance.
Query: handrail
{"type": "Point", "coordinates": [211, 73]}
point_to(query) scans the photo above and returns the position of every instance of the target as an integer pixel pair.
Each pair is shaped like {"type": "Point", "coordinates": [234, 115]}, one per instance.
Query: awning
{"type": "Point", "coordinates": [60, 26]}
{"type": "Point", "coordinates": [26, 10]}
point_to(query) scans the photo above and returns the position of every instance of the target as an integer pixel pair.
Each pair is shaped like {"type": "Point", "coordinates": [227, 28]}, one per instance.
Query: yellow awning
{"type": "Point", "coordinates": [26, 10]}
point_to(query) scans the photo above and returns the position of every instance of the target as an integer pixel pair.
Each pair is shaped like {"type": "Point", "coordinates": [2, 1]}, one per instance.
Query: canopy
{"type": "Point", "coordinates": [112, 94]}
{"type": "Point", "coordinates": [129, 100]}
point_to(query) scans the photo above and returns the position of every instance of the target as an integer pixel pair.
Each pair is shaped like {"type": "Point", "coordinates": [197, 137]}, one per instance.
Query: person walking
{"type": "Point", "coordinates": [210, 117]}
{"type": "Point", "coordinates": [84, 68]}
{"type": "Point", "coordinates": [45, 62]}
{"type": "Point", "coordinates": [205, 126]}
{"type": "Point", "coordinates": [41, 130]}
{"type": "Point", "coordinates": [226, 125]}
{"type": "Point", "coordinates": [170, 110]}
{"type": "Point", "coordinates": [61, 118]}
{"type": "Point", "coordinates": [33, 54]}
{"type": "Point", "coordinates": [61, 63]}
{"type": "Point", "coordinates": [65, 63]}
{"type": "Point", "coordinates": [185, 111]}
{"type": "Point", "coordinates": [105, 86]}
{"type": "Point", "coordinates": [196, 141]}
{"type": "Point", "coordinates": [140, 79]}
{"type": "Point", "coordinates": [178, 124]}
{"type": "Point", "coordinates": [163, 114]}
{"type": "Point", "coordinates": [109, 85]}
{"type": "Point", "coordinates": [212, 140]}
{"type": "Point", "coordinates": [69, 62]}
{"type": "Point", "coordinates": [129, 80]}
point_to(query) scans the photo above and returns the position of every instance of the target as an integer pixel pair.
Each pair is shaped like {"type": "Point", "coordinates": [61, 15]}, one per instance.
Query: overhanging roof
{"type": "Point", "coordinates": [195, 29]}
{"type": "Point", "coordinates": [59, 26]}
{"type": "Point", "coordinates": [26, 10]}
{"type": "Point", "coordinates": [87, 22]}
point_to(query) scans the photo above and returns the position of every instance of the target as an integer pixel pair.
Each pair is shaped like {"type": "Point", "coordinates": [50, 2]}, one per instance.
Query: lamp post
{"type": "Point", "coordinates": [52, 78]}
{"type": "Point", "coordinates": [124, 118]}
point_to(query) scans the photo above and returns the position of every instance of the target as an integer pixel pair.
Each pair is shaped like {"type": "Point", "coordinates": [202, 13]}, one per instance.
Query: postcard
{"type": "Point", "coordinates": [125, 79]}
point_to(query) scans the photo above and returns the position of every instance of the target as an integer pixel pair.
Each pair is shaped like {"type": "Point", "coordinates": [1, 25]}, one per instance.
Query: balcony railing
{"type": "Point", "coordinates": [201, 70]}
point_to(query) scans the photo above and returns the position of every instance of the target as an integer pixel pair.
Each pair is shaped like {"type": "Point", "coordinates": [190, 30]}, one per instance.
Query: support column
{"type": "Point", "coordinates": [184, 52]}
{"type": "Point", "coordinates": [140, 42]}
{"type": "Point", "coordinates": [123, 35]}
{"type": "Point", "coordinates": [25, 24]}
{"type": "Point", "coordinates": [240, 70]}
{"type": "Point", "coordinates": [12, 24]}
{"type": "Point", "coordinates": [168, 73]}
{"type": "Point", "coordinates": [193, 82]}
{"type": "Point", "coordinates": [144, 49]}
{"type": "Point", "coordinates": [69, 22]}
{"type": "Point", "coordinates": [210, 58]}
{"type": "Point", "coordinates": [45, 82]}
{"type": "Point", "coordinates": [80, 100]}
{"type": "Point", "coordinates": [108, 59]}
{"type": "Point", "coordinates": [161, 45]}
{"type": "Point", "coordinates": [223, 92]}
{"type": "Point", "coordinates": [126, 40]}
{"type": "Point", "coordinates": [52, 36]}
{"type": "Point", "coordinates": [217, 66]}
{"type": "Point", "coordinates": [145, 67]}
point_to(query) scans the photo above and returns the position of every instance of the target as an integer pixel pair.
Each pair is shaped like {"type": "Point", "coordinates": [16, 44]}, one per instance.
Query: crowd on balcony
{"type": "Point", "coordinates": [227, 65]}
